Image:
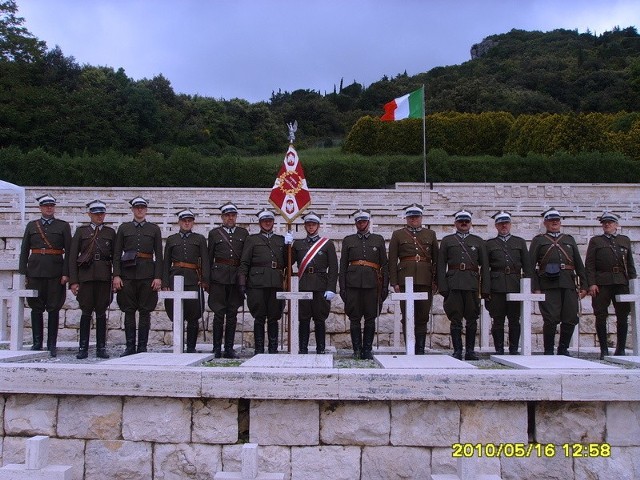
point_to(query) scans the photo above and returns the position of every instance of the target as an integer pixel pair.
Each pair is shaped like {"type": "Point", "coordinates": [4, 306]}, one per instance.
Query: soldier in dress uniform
{"type": "Point", "coordinates": [226, 243]}
{"type": "Point", "coordinates": [609, 266]}
{"type": "Point", "coordinates": [45, 262]}
{"type": "Point", "coordinates": [364, 280]}
{"type": "Point", "coordinates": [463, 276]}
{"type": "Point", "coordinates": [413, 252]}
{"type": "Point", "coordinates": [260, 276]}
{"type": "Point", "coordinates": [509, 261]}
{"type": "Point", "coordinates": [137, 273]}
{"type": "Point", "coordinates": [559, 273]}
{"type": "Point", "coordinates": [90, 260]}
{"type": "Point", "coordinates": [318, 273]}
{"type": "Point", "coordinates": [185, 253]}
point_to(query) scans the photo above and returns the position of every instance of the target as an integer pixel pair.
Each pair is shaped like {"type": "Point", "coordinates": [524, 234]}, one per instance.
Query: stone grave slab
{"type": "Point", "coordinates": [19, 355]}
{"type": "Point", "coordinates": [310, 360]}
{"type": "Point", "coordinates": [549, 362]}
{"type": "Point", "coordinates": [632, 360]}
{"type": "Point", "coordinates": [161, 359]}
{"type": "Point", "coordinates": [421, 362]}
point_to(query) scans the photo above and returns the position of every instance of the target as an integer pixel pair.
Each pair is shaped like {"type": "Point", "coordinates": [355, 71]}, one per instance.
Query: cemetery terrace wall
{"type": "Point", "coordinates": [581, 203]}
{"type": "Point", "coordinates": [164, 423]}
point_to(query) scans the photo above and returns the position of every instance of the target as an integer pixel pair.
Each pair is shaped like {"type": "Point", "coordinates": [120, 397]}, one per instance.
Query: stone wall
{"type": "Point", "coordinates": [114, 437]}
{"type": "Point", "coordinates": [581, 203]}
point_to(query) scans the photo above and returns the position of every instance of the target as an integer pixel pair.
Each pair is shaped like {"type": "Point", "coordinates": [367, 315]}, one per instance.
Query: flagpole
{"type": "Point", "coordinates": [424, 137]}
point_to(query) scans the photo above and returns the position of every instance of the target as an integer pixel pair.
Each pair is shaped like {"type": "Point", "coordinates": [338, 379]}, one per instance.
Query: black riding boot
{"type": "Point", "coordinates": [101, 336]}
{"type": "Point", "coordinates": [548, 337]}
{"type": "Point", "coordinates": [470, 343]}
{"type": "Point", "coordinates": [356, 338]}
{"type": "Point", "coordinates": [304, 331]}
{"type": "Point", "coordinates": [421, 340]}
{"type": "Point", "coordinates": [144, 325]}
{"type": "Point", "coordinates": [192, 336]}
{"type": "Point", "coordinates": [601, 333]}
{"type": "Point", "coordinates": [514, 338]}
{"type": "Point", "coordinates": [320, 332]}
{"type": "Point", "coordinates": [456, 340]}
{"type": "Point", "coordinates": [566, 332]}
{"type": "Point", "coordinates": [258, 335]}
{"type": "Point", "coordinates": [52, 332]}
{"type": "Point", "coordinates": [497, 332]}
{"type": "Point", "coordinates": [621, 338]}
{"type": "Point", "coordinates": [272, 332]}
{"type": "Point", "coordinates": [129, 333]}
{"type": "Point", "coordinates": [85, 326]}
{"type": "Point", "coordinates": [367, 340]}
{"type": "Point", "coordinates": [218, 329]}
{"type": "Point", "coordinates": [36, 329]}
{"type": "Point", "coordinates": [230, 338]}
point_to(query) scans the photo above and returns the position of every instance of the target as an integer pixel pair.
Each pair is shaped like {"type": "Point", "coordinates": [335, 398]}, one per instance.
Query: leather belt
{"type": "Point", "coordinates": [97, 257]}
{"type": "Point", "coordinates": [566, 267]}
{"type": "Point", "coordinates": [314, 270]}
{"type": "Point", "coordinates": [364, 263]}
{"type": "Point", "coordinates": [227, 261]}
{"type": "Point", "coordinates": [192, 266]}
{"type": "Point", "coordinates": [617, 270]}
{"type": "Point", "coordinates": [413, 258]}
{"type": "Point", "coordinates": [463, 267]}
{"type": "Point", "coordinates": [507, 270]}
{"type": "Point", "coordinates": [273, 265]}
{"type": "Point", "coordinates": [47, 251]}
{"type": "Point", "coordinates": [144, 255]}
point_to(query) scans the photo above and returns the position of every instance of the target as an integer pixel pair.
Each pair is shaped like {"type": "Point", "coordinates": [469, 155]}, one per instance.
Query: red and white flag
{"type": "Point", "coordinates": [290, 194]}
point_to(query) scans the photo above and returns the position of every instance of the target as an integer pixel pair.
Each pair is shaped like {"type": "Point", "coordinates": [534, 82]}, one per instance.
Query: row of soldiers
{"type": "Point", "coordinates": [232, 265]}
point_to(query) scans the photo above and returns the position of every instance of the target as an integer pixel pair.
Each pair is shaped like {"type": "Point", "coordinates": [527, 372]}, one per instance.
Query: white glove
{"type": "Point", "coordinates": [288, 238]}
{"type": "Point", "coordinates": [328, 295]}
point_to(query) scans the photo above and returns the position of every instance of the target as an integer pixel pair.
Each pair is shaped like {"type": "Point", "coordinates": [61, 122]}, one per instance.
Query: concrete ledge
{"type": "Point", "coordinates": [100, 380]}
{"type": "Point", "coordinates": [321, 384]}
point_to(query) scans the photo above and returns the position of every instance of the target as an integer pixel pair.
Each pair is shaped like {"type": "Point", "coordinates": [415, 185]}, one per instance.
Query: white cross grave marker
{"type": "Point", "coordinates": [294, 296]}
{"type": "Point", "coordinates": [36, 464]}
{"type": "Point", "coordinates": [466, 468]}
{"type": "Point", "coordinates": [178, 294]}
{"type": "Point", "coordinates": [633, 297]}
{"type": "Point", "coordinates": [526, 309]}
{"type": "Point", "coordinates": [249, 467]}
{"type": "Point", "coordinates": [410, 297]}
{"type": "Point", "coordinates": [16, 296]}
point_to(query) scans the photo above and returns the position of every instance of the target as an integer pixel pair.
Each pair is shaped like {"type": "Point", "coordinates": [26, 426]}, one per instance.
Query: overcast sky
{"type": "Point", "coordinates": [249, 48]}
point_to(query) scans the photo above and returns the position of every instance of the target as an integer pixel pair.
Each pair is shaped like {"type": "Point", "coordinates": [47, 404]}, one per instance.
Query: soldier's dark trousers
{"type": "Point", "coordinates": [600, 304]}
{"type": "Point", "coordinates": [459, 305]}
{"type": "Point", "coordinates": [318, 308]}
{"type": "Point", "coordinates": [51, 297]}
{"type": "Point", "coordinates": [559, 307]}
{"type": "Point", "coordinates": [224, 301]}
{"type": "Point", "coordinates": [421, 317]}
{"type": "Point", "coordinates": [499, 308]}
{"type": "Point", "coordinates": [362, 302]}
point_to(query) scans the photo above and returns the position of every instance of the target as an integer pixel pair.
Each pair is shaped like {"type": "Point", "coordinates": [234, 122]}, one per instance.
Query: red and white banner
{"type": "Point", "coordinates": [290, 194]}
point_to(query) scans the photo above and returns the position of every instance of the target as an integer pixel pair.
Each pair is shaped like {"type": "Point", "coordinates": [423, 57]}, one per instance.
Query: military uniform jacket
{"type": "Point", "coordinates": [191, 249]}
{"type": "Point", "coordinates": [321, 273]}
{"type": "Point", "coordinates": [370, 248]}
{"type": "Point", "coordinates": [263, 261]}
{"type": "Point", "coordinates": [609, 261]}
{"type": "Point", "coordinates": [537, 251]}
{"type": "Point", "coordinates": [101, 251]}
{"type": "Point", "coordinates": [58, 236]}
{"type": "Point", "coordinates": [405, 248]}
{"type": "Point", "coordinates": [456, 264]}
{"type": "Point", "coordinates": [227, 252]}
{"type": "Point", "coordinates": [146, 239]}
{"type": "Point", "coordinates": [509, 262]}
